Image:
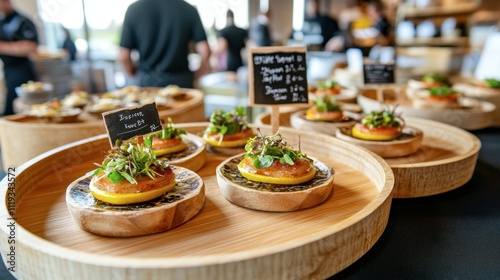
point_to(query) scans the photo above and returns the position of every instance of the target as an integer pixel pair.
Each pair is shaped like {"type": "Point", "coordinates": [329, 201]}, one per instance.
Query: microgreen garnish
{"type": "Point", "coordinates": [130, 159]}
{"type": "Point", "coordinates": [168, 132]}
{"type": "Point", "coordinates": [492, 83]}
{"type": "Point", "coordinates": [328, 84]}
{"type": "Point", "coordinates": [227, 123]}
{"type": "Point", "coordinates": [326, 103]}
{"type": "Point", "coordinates": [384, 118]}
{"type": "Point", "coordinates": [434, 77]}
{"type": "Point", "coordinates": [265, 149]}
{"type": "Point", "coordinates": [441, 91]}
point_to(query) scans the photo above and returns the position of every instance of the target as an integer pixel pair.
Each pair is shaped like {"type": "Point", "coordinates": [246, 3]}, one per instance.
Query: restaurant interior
{"type": "Point", "coordinates": [423, 205]}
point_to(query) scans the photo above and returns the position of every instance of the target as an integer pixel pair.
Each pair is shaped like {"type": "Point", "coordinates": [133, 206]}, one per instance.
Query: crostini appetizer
{"type": "Point", "coordinates": [228, 129]}
{"type": "Point", "coordinates": [168, 140]}
{"type": "Point", "coordinates": [379, 126]}
{"type": "Point", "coordinates": [329, 87]}
{"type": "Point", "coordinates": [325, 108]}
{"type": "Point", "coordinates": [269, 159]}
{"type": "Point", "coordinates": [437, 97]}
{"type": "Point", "coordinates": [131, 174]}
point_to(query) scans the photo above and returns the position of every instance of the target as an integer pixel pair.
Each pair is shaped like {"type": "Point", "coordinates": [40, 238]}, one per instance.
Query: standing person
{"type": "Point", "coordinates": [68, 45]}
{"type": "Point", "coordinates": [259, 30]}
{"type": "Point", "coordinates": [18, 40]}
{"type": "Point", "coordinates": [232, 40]}
{"type": "Point", "coordinates": [161, 31]}
{"type": "Point", "coordinates": [317, 24]}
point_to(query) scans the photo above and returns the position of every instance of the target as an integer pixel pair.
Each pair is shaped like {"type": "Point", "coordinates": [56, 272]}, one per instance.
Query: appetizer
{"type": "Point", "coordinates": [130, 174]}
{"type": "Point", "coordinates": [103, 104]}
{"type": "Point", "coordinates": [48, 109]}
{"type": "Point", "coordinates": [76, 99]}
{"type": "Point", "coordinates": [168, 140]}
{"type": "Point", "coordinates": [434, 79]}
{"type": "Point", "coordinates": [492, 83]}
{"type": "Point", "coordinates": [269, 159]}
{"type": "Point", "coordinates": [328, 87]}
{"type": "Point", "coordinates": [32, 86]}
{"type": "Point", "coordinates": [379, 126]}
{"type": "Point", "coordinates": [228, 129]}
{"type": "Point", "coordinates": [325, 109]}
{"type": "Point", "coordinates": [171, 90]}
{"type": "Point", "coordinates": [437, 97]}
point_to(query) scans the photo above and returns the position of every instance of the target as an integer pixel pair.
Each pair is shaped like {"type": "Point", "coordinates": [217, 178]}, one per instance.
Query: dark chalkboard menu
{"type": "Point", "coordinates": [378, 73]}
{"type": "Point", "coordinates": [278, 75]}
{"type": "Point", "coordinates": [126, 123]}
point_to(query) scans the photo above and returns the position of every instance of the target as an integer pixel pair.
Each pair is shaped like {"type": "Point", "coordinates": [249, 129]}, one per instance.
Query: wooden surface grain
{"type": "Point", "coordinates": [223, 241]}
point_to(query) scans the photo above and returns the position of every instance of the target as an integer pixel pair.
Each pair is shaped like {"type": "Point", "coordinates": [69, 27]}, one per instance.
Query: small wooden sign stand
{"type": "Point", "coordinates": [277, 76]}
{"type": "Point", "coordinates": [379, 74]}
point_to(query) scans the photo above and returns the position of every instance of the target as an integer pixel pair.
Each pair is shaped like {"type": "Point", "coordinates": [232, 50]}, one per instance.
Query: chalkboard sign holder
{"type": "Point", "coordinates": [126, 123]}
{"type": "Point", "coordinates": [277, 76]}
{"type": "Point", "coordinates": [380, 74]}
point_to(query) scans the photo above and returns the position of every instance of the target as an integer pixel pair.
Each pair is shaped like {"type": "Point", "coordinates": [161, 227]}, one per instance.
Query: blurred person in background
{"type": "Point", "coordinates": [259, 32]}
{"type": "Point", "coordinates": [68, 45]}
{"type": "Point", "coordinates": [231, 41]}
{"type": "Point", "coordinates": [316, 24]}
{"type": "Point", "coordinates": [18, 40]}
{"type": "Point", "coordinates": [161, 31]}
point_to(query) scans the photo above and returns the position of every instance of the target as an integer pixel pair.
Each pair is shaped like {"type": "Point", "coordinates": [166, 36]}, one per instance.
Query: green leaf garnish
{"type": "Point", "coordinates": [326, 103]}
{"type": "Point", "coordinates": [385, 118]}
{"type": "Point", "coordinates": [227, 123]}
{"type": "Point", "coordinates": [328, 84]}
{"type": "Point", "coordinates": [441, 91]}
{"type": "Point", "coordinates": [264, 150]}
{"type": "Point", "coordinates": [492, 83]}
{"type": "Point", "coordinates": [434, 77]}
{"type": "Point", "coordinates": [170, 132]}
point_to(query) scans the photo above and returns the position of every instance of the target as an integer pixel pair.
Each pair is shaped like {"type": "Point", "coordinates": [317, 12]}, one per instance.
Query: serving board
{"type": "Point", "coordinates": [479, 116]}
{"type": "Point", "coordinates": [445, 159]}
{"type": "Point", "coordinates": [224, 241]}
{"type": "Point", "coordinates": [20, 134]}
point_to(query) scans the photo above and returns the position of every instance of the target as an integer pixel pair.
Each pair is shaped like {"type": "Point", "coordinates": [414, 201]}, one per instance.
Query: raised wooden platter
{"type": "Point", "coordinates": [445, 159]}
{"type": "Point", "coordinates": [478, 116]}
{"type": "Point", "coordinates": [21, 135]}
{"type": "Point", "coordinates": [224, 241]}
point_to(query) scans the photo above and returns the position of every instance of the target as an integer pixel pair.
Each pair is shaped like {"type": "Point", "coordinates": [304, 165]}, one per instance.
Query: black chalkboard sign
{"type": "Point", "coordinates": [126, 123]}
{"type": "Point", "coordinates": [278, 75]}
{"type": "Point", "coordinates": [378, 73]}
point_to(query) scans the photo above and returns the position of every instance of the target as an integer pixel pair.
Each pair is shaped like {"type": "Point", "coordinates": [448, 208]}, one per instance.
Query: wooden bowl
{"type": "Point", "coordinates": [158, 215]}
{"type": "Point", "coordinates": [299, 121]}
{"type": "Point", "coordinates": [268, 197]}
{"type": "Point", "coordinates": [484, 94]}
{"type": "Point", "coordinates": [224, 241]}
{"type": "Point", "coordinates": [193, 157]}
{"type": "Point", "coordinates": [444, 161]}
{"type": "Point", "coordinates": [404, 145]}
{"type": "Point", "coordinates": [479, 114]}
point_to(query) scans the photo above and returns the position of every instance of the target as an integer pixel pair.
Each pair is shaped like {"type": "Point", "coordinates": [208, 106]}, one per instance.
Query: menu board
{"type": "Point", "coordinates": [126, 123]}
{"type": "Point", "coordinates": [374, 73]}
{"type": "Point", "coordinates": [278, 75]}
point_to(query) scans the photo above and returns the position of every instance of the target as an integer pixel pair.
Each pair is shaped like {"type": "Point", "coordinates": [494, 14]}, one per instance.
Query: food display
{"type": "Point", "coordinates": [384, 133]}
{"type": "Point", "coordinates": [274, 176]}
{"type": "Point", "coordinates": [325, 116]}
{"type": "Point", "coordinates": [440, 97]}
{"type": "Point", "coordinates": [168, 140]}
{"type": "Point", "coordinates": [328, 87]}
{"type": "Point", "coordinates": [479, 88]}
{"type": "Point", "coordinates": [53, 111]}
{"type": "Point", "coordinates": [133, 185]}
{"type": "Point", "coordinates": [99, 105]}
{"type": "Point", "coordinates": [428, 80]}
{"type": "Point", "coordinates": [76, 99]}
{"type": "Point", "coordinates": [228, 131]}
{"type": "Point", "coordinates": [32, 86]}
{"type": "Point", "coordinates": [332, 87]}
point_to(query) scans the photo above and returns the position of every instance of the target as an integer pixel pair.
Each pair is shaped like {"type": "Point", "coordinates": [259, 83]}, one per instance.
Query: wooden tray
{"type": "Point", "coordinates": [478, 117]}
{"type": "Point", "coordinates": [299, 122]}
{"type": "Point", "coordinates": [223, 241]}
{"type": "Point", "coordinates": [20, 135]}
{"type": "Point", "coordinates": [444, 161]}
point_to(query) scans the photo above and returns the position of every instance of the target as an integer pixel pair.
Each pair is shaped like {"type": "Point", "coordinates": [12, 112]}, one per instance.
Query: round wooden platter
{"type": "Point", "coordinates": [445, 159]}
{"type": "Point", "coordinates": [268, 197]}
{"type": "Point", "coordinates": [224, 241]}
{"type": "Point", "coordinates": [478, 116]}
{"type": "Point", "coordinates": [408, 143]}
{"type": "Point", "coordinates": [485, 94]}
{"type": "Point", "coordinates": [158, 215]}
{"type": "Point", "coordinates": [27, 130]}
{"type": "Point", "coordinates": [299, 121]}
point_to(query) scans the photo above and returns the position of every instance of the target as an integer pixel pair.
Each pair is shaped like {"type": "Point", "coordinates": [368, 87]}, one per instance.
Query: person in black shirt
{"type": "Point", "coordinates": [68, 45]}
{"type": "Point", "coordinates": [318, 24]}
{"type": "Point", "coordinates": [259, 32]}
{"type": "Point", "coordinates": [18, 40]}
{"type": "Point", "coordinates": [161, 31]}
{"type": "Point", "coordinates": [232, 40]}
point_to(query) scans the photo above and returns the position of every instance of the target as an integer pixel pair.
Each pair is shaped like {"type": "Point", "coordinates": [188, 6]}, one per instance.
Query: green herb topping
{"type": "Point", "coordinates": [383, 118]}
{"type": "Point", "coordinates": [492, 83]}
{"type": "Point", "coordinates": [441, 91]}
{"type": "Point", "coordinates": [326, 103]}
{"type": "Point", "coordinates": [433, 77]}
{"type": "Point", "coordinates": [227, 123]}
{"type": "Point", "coordinates": [129, 160]}
{"type": "Point", "coordinates": [328, 84]}
{"type": "Point", "coordinates": [168, 132]}
{"type": "Point", "coordinates": [265, 149]}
